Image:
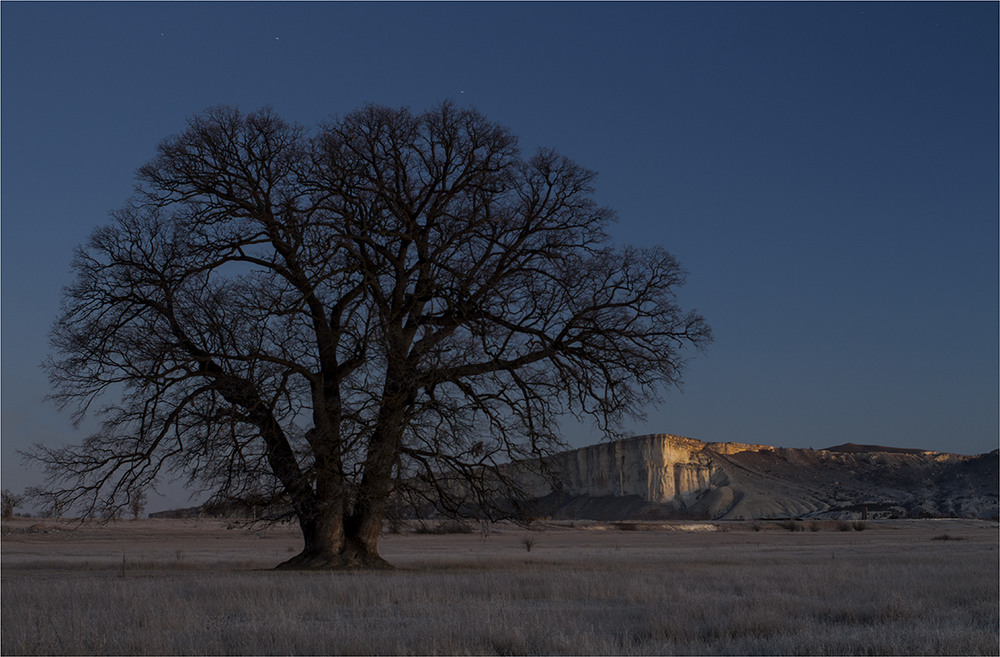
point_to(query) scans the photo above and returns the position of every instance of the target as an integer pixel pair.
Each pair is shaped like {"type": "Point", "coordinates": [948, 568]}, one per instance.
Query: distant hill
{"type": "Point", "coordinates": [187, 512]}
{"type": "Point", "coordinates": [244, 509]}
{"type": "Point", "coordinates": [663, 476]}
{"type": "Point", "coordinates": [853, 448]}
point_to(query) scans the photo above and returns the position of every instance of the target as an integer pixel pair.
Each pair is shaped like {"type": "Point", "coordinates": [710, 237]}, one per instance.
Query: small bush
{"type": "Point", "coordinates": [814, 526]}
{"type": "Point", "coordinates": [843, 526]}
{"type": "Point", "coordinates": [947, 537]}
{"type": "Point", "coordinates": [627, 526]}
{"type": "Point", "coordinates": [756, 526]}
{"type": "Point", "coordinates": [528, 542]}
{"type": "Point", "coordinates": [790, 525]}
{"type": "Point", "coordinates": [859, 525]}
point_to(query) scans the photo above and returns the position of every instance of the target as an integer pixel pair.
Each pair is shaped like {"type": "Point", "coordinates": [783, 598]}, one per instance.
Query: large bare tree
{"type": "Point", "coordinates": [389, 305]}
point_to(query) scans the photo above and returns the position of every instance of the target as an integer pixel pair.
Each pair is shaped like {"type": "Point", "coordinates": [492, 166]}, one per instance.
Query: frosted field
{"type": "Point", "coordinates": [192, 587]}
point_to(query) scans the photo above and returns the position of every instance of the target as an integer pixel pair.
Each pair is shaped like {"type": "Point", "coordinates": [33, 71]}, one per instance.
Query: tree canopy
{"type": "Point", "coordinates": [391, 304]}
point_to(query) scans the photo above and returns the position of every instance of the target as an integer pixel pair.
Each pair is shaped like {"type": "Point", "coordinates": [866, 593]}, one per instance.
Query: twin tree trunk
{"type": "Point", "coordinates": [334, 538]}
{"type": "Point", "coordinates": [331, 541]}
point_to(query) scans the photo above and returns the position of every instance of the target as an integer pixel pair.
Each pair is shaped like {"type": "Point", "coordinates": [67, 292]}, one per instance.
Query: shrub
{"type": "Point", "coordinates": [859, 525]}
{"type": "Point", "coordinates": [947, 537]}
{"type": "Point", "coordinates": [790, 525]}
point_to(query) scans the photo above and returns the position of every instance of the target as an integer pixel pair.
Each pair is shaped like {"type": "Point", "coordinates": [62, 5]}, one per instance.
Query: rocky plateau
{"type": "Point", "coordinates": [662, 476]}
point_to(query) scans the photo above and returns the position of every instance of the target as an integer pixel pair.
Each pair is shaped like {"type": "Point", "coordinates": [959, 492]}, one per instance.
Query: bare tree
{"type": "Point", "coordinates": [137, 503]}
{"type": "Point", "coordinates": [10, 501]}
{"type": "Point", "coordinates": [391, 305]}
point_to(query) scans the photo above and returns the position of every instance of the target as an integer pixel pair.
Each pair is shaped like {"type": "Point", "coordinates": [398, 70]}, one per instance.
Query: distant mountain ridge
{"type": "Point", "coordinates": [662, 476]}
{"type": "Point", "coordinates": [853, 448]}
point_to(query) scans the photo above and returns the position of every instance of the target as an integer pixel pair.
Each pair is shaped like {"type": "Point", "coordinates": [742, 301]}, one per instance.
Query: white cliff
{"type": "Point", "coordinates": [663, 475]}
{"type": "Point", "coordinates": [660, 468]}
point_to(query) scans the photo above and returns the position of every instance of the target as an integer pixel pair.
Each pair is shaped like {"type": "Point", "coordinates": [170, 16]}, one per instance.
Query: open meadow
{"type": "Point", "coordinates": [197, 587]}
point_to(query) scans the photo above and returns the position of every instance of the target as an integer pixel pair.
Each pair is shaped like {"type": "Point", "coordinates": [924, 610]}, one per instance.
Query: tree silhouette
{"type": "Point", "coordinates": [137, 503]}
{"type": "Point", "coordinates": [9, 501]}
{"type": "Point", "coordinates": [388, 307]}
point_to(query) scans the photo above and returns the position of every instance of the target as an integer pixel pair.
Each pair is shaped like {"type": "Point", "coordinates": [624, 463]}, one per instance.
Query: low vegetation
{"type": "Point", "coordinates": [889, 590]}
{"type": "Point", "coordinates": [947, 537]}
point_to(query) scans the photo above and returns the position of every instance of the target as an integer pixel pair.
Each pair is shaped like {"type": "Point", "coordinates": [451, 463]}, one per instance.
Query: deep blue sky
{"type": "Point", "coordinates": [828, 174]}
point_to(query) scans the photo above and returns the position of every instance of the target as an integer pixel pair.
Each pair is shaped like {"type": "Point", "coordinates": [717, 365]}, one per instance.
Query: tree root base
{"type": "Point", "coordinates": [335, 561]}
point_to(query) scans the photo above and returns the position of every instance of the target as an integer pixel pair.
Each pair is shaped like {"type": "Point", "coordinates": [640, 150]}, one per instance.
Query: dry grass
{"type": "Point", "coordinates": [889, 590]}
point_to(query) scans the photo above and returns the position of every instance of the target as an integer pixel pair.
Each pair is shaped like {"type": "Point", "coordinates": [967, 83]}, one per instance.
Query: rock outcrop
{"type": "Point", "coordinates": [664, 476]}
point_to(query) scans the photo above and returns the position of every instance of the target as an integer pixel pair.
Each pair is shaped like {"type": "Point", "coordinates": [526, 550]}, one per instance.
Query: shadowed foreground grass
{"type": "Point", "coordinates": [720, 593]}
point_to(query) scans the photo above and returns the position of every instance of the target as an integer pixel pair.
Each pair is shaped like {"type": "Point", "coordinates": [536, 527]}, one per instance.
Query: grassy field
{"type": "Point", "coordinates": [193, 587]}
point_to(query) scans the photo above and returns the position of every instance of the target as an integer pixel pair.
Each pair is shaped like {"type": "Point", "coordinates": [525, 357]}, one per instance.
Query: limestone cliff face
{"type": "Point", "coordinates": [659, 468]}
{"type": "Point", "coordinates": [663, 475]}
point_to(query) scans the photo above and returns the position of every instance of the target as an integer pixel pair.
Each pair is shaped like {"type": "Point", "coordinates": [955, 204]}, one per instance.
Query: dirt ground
{"type": "Point", "coordinates": [41, 545]}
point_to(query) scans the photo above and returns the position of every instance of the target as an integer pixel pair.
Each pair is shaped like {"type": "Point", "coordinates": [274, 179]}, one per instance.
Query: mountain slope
{"type": "Point", "coordinates": [664, 476]}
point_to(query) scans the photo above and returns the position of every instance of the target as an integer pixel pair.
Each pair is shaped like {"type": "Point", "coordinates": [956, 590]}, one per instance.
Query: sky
{"type": "Point", "coordinates": [826, 172]}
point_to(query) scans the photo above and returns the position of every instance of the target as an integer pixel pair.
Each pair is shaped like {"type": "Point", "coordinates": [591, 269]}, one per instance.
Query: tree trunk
{"type": "Point", "coordinates": [334, 539]}
{"type": "Point", "coordinates": [323, 537]}
{"type": "Point", "coordinates": [361, 547]}
{"type": "Point", "coordinates": [328, 544]}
